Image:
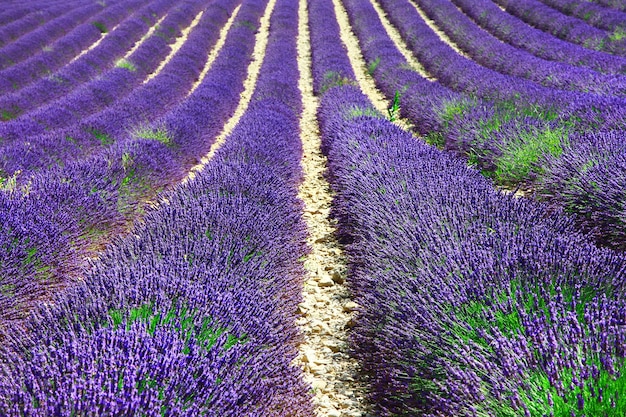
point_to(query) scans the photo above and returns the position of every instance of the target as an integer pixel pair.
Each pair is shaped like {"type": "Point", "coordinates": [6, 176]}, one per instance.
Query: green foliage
{"type": "Point", "coordinates": [394, 111]}
{"type": "Point", "coordinates": [7, 290]}
{"type": "Point", "coordinates": [451, 109]}
{"type": "Point", "coordinates": [613, 387]}
{"type": "Point", "coordinates": [435, 139]}
{"type": "Point", "coordinates": [8, 183]}
{"type": "Point", "coordinates": [102, 137]}
{"type": "Point", "coordinates": [371, 67]}
{"type": "Point", "coordinates": [124, 63]}
{"type": "Point", "coordinates": [248, 24]}
{"type": "Point", "coordinates": [354, 112]}
{"type": "Point", "coordinates": [334, 79]}
{"type": "Point", "coordinates": [158, 134]}
{"type": "Point", "coordinates": [618, 34]}
{"type": "Point", "coordinates": [100, 26]}
{"type": "Point", "coordinates": [6, 115]}
{"type": "Point", "coordinates": [203, 333]}
{"type": "Point", "coordinates": [519, 156]}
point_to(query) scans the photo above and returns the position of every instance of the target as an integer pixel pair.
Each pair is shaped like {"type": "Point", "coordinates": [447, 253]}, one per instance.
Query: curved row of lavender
{"type": "Point", "coordinates": [194, 314]}
{"type": "Point", "coordinates": [615, 4]}
{"type": "Point", "coordinates": [513, 141]}
{"type": "Point", "coordinates": [110, 83]}
{"type": "Point", "coordinates": [517, 33]}
{"type": "Point", "coordinates": [59, 53]}
{"type": "Point", "coordinates": [23, 48]}
{"type": "Point", "coordinates": [17, 21]}
{"type": "Point", "coordinates": [597, 15]}
{"type": "Point", "coordinates": [569, 28]}
{"type": "Point", "coordinates": [49, 225]}
{"type": "Point", "coordinates": [490, 52]}
{"type": "Point", "coordinates": [472, 302]}
{"type": "Point", "coordinates": [118, 104]}
{"type": "Point", "coordinates": [113, 46]}
{"type": "Point", "coordinates": [587, 111]}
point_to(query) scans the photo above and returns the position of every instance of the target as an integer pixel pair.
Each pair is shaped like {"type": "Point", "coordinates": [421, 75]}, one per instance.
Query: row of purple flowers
{"type": "Point", "coordinates": [194, 313]}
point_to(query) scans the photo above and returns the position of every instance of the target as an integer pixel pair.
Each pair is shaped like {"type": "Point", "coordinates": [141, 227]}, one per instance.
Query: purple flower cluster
{"type": "Point", "coordinates": [588, 179]}
{"type": "Point", "coordinates": [492, 53]}
{"type": "Point", "coordinates": [55, 218]}
{"type": "Point", "coordinates": [57, 54]}
{"type": "Point", "coordinates": [517, 33]}
{"type": "Point", "coordinates": [17, 21]}
{"type": "Point", "coordinates": [102, 111]}
{"type": "Point", "coordinates": [194, 313]}
{"type": "Point", "coordinates": [615, 4]}
{"type": "Point", "coordinates": [473, 302]}
{"type": "Point", "coordinates": [23, 48]}
{"type": "Point", "coordinates": [507, 139]}
{"type": "Point", "coordinates": [595, 14]}
{"type": "Point", "coordinates": [568, 28]}
{"type": "Point", "coordinates": [88, 66]}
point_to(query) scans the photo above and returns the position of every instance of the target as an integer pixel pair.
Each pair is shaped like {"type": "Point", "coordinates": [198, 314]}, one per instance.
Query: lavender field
{"type": "Point", "coordinates": [331, 208]}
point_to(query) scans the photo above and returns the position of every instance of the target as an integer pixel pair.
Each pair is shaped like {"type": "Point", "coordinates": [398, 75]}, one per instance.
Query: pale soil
{"type": "Point", "coordinates": [395, 36]}
{"type": "Point", "coordinates": [359, 66]}
{"type": "Point", "coordinates": [254, 68]}
{"type": "Point", "coordinates": [149, 33]}
{"type": "Point", "coordinates": [326, 311]}
{"type": "Point", "coordinates": [431, 24]}
{"type": "Point", "coordinates": [93, 45]}
{"type": "Point", "coordinates": [180, 41]}
{"type": "Point", "coordinates": [216, 50]}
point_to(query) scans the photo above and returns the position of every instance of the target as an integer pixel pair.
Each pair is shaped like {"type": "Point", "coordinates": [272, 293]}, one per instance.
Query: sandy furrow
{"type": "Point", "coordinates": [149, 33]}
{"type": "Point", "coordinates": [93, 45]}
{"type": "Point", "coordinates": [431, 24]}
{"type": "Point", "coordinates": [260, 44]}
{"type": "Point", "coordinates": [180, 41]}
{"type": "Point", "coordinates": [216, 50]}
{"type": "Point", "coordinates": [359, 66]}
{"type": "Point", "coordinates": [395, 36]}
{"type": "Point", "coordinates": [326, 310]}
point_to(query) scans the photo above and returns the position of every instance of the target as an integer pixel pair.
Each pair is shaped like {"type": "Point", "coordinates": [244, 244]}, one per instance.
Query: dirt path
{"type": "Point", "coordinates": [180, 41]}
{"type": "Point", "coordinates": [326, 311]}
{"type": "Point", "coordinates": [260, 44]}
{"type": "Point", "coordinates": [431, 24]}
{"type": "Point", "coordinates": [93, 45]}
{"type": "Point", "coordinates": [367, 84]}
{"type": "Point", "coordinates": [149, 33]}
{"type": "Point", "coordinates": [395, 36]}
{"type": "Point", "coordinates": [359, 66]}
{"type": "Point", "coordinates": [216, 50]}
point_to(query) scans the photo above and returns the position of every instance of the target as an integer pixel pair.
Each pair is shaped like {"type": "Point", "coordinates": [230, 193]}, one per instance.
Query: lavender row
{"type": "Point", "coordinates": [205, 324]}
{"type": "Point", "coordinates": [615, 4]}
{"type": "Point", "coordinates": [521, 35]}
{"type": "Point", "coordinates": [99, 112]}
{"type": "Point", "coordinates": [22, 48]}
{"type": "Point", "coordinates": [597, 15]}
{"type": "Point", "coordinates": [325, 50]}
{"type": "Point", "coordinates": [198, 320]}
{"type": "Point", "coordinates": [62, 51]}
{"type": "Point", "coordinates": [501, 57]}
{"type": "Point", "coordinates": [584, 111]}
{"type": "Point", "coordinates": [515, 145]}
{"type": "Point", "coordinates": [50, 223]}
{"type": "Point", "coordinates": [86, 67]}
{"type": "Point", "coordinates": [473, 302]}
{"type": "Point", "coordinates": [565, 27]}
{"type": "Point", "coordinates": [13, 14]}
{"type": "Point", "coordinates": [21, 21]}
